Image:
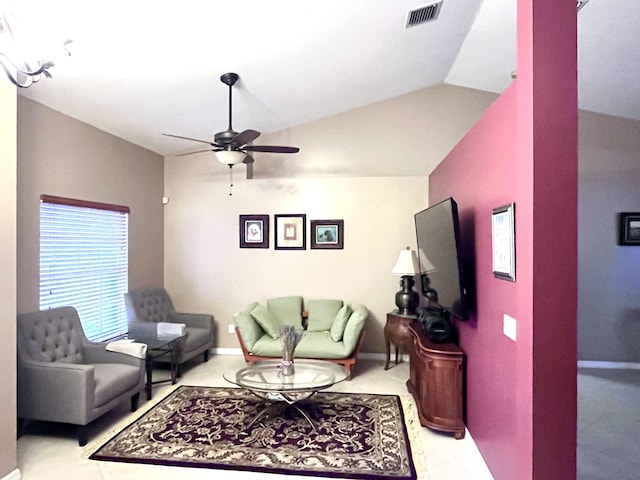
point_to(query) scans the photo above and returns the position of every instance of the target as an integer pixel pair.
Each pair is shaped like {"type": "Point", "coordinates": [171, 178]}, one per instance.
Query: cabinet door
{"type": "Point", "coordinates": [444, 395]}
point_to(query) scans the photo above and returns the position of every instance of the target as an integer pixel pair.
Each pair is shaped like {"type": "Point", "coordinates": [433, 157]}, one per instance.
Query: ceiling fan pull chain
{"type": "Point", "coordinates": [230, 179]}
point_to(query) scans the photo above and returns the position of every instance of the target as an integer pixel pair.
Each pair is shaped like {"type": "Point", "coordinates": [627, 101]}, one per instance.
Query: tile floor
{"type": "Point", "coordinates": [608, 432]}
{"type": "Point", "coordinates": [608, 424]}
{"type": "Point", "coordinates": [47, 452]}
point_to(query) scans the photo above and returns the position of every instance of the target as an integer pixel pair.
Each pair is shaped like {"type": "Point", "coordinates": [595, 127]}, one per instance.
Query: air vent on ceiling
{"type": "Point", "coordinates": [424, 14]}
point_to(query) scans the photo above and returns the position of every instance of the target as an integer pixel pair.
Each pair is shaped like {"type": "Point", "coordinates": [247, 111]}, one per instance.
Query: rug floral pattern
{"type": "Point", "coordinates": [356, 435]}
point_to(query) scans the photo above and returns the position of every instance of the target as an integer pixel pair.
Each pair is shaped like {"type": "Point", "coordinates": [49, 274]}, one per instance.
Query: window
{"type": "Point", "coordinates": [84, 260]}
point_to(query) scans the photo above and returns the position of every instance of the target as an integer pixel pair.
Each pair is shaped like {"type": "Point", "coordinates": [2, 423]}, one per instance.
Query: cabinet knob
{"type": "Point", "coordinates": [430, 363]}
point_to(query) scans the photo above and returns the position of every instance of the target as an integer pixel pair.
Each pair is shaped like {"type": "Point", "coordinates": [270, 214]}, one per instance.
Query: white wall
{"type": "Point", "coordinates": [206, 271]}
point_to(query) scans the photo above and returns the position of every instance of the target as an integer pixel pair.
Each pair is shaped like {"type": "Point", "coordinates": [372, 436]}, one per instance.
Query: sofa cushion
{"type": "Point", "coordinates": [320, 345]}
{"type": "Point", "coordinates": [195, 338]}
{"type": "Point", "coordinates": [113, 379]}
{"type": "Point", "coordinates": [288, 310]}
{"type": "Point", "coordinates": [266, 346]}
{"type": "Point", "coordinates": [340, 322]}
{"type": "Point", "coordinates": [267, 321]}
{"type": "Point", "coordinates": [321, 314]}
{"type": "Point", "coordinates": [249, 329]}
{"type": "Point", "coordinates": [354, 326]}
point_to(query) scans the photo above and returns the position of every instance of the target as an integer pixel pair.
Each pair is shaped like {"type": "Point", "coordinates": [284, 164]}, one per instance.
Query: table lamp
{"type": "Point", "coordinates": [407, 266]}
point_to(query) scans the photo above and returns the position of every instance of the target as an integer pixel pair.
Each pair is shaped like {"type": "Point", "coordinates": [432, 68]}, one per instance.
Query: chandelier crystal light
{"type": "Point", "coordinates": [20, 51]}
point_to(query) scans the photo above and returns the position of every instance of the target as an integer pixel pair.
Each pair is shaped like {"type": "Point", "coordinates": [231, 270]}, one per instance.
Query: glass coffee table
{"type": "Point", "coordinates": [158, 346]}
{"type": "Point", "coordinates": [266, 380]}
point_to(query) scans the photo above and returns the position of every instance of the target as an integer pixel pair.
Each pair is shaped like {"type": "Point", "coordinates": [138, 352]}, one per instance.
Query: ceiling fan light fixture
{"type": "Point", "coordinates": [230, 157]}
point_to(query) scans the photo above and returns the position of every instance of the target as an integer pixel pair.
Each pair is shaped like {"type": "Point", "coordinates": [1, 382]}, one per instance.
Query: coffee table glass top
{"type": "Point", "coordinates": [266, 376]}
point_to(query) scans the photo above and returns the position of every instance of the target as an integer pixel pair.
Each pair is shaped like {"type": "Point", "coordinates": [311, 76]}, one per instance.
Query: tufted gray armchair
{"type": "Point", "coordinates": [63, 377]}
{"type": "Point", "coordinates": [153, 304]}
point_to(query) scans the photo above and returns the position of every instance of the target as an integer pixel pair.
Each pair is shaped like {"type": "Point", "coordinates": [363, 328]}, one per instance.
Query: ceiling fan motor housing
{"type": "Point", "coordinates": [224, 138]}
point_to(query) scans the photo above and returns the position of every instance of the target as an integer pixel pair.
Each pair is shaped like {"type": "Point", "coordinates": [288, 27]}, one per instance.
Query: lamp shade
{"type": "Point", "coordinates": [407, 263]}
{"type": "Point", "coordinates": [230, 157]}
{"type": "Point", "coordinates": [425, 264]}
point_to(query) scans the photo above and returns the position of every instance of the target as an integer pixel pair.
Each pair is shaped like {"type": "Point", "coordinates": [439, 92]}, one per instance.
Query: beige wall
{"type": "Point", "coordinates": [206, 271]}
{"type": "Point", "coordinates": [58, 155]}
{"type": "Point", "coordinates": [403, 136]}
{"type": "Point", "coordinates": [395, 143]}
{"type": "Point", "coordinates": [8, 459]}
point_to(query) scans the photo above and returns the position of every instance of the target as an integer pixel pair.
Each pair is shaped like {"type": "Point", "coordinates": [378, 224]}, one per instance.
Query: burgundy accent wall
{"type": "Point", "coordinates": [521, 396]}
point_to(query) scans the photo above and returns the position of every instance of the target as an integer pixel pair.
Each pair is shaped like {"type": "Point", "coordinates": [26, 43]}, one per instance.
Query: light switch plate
{"type": "Point", "coordinates": [509, 327]}
{"type": "Point", "coordinates": [231, 328]}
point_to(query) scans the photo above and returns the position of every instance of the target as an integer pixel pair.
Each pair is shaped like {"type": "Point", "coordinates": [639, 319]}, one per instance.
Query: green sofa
{"type": "Point", "coordinates": [332, 330]}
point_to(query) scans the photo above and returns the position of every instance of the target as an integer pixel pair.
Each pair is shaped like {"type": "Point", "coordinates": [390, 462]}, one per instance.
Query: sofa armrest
{"type": "Point", "coordinates": [195, 320]}
{"type": "Point", "coordinates": [355, 324]}
{"type": "Point", "coordinates": [61, 392]}
{"type": "Point", "coordinates": [248, 328]}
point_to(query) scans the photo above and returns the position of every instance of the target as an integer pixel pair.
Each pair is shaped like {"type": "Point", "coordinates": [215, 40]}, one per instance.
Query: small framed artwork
{"type": "Point", "coordinates": [291, 231]}
{"type": "Point", "coordinates": [630, 228]}
{"type": "Point", "coordinates": [254, 231]}
{"type": "Point", "coordinates": [503, 242]}
{"type": "Point", "coordinates": [327, 234]}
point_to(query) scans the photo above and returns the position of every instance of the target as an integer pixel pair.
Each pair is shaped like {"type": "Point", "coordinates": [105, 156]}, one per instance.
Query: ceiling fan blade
{"type": "Point", "coordinates": [270, 148]}
{"type": "Point", "coordinates": [245, 137]}
{"type": "Point", "coordinates": [197, 151]}
{"type": "Point", "coordinates": [189, 138]}
{"type": "Point", "coordinates": [248, 159]}
{"type": "Point", "coordinates": [249, 171]}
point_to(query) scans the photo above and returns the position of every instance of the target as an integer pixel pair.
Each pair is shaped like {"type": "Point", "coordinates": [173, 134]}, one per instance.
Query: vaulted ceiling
{"type": "Point", "coordinates": [142, 68]}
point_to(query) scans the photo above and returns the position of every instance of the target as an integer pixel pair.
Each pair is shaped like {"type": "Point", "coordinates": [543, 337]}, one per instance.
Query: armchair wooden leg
{"type": "Point", "coordinates": [83, 435]}
{"type": "Point", "coordinates": [134, 401]}
{"type": "Point", "coordinates": [206, 355]}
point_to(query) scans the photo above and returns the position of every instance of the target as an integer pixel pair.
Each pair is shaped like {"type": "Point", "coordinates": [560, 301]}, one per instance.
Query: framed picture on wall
{"type": "Point", "coordinates": [503, 242]}
{"type": "Point", "coordinates": [254, 231]}
{"type": "Point", "coordinates": [290, 231]}
{"type": "Point", "coordinates": [327, 234]}
{"type": "Point", "coordinates": [630, 228]}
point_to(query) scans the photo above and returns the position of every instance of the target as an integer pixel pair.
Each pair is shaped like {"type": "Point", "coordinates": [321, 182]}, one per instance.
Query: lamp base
{"type": "Point", "coordinates": [406, 299]}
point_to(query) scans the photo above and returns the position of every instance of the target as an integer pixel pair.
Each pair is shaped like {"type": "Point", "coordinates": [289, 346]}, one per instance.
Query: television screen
{"type": "Point", "coordinates": [438, 237]}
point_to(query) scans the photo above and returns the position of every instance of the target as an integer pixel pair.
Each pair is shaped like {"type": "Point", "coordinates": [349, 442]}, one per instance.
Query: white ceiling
{"type": "Point", "coordinates": [140, 68]}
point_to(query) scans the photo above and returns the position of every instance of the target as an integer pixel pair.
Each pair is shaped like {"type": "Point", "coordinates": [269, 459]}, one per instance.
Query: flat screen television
{"type": "Point", "coordinates": [438, 237]}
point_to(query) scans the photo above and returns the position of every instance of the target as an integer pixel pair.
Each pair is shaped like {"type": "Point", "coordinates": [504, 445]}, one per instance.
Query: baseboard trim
{"type": "Point", "coordinates": [362, 355]}
{"type": "Point", "coordinates": [15, 475]}
{"type": "Point", "coordinates": [608, 365]}
{"type": "Point", "coordinates": [226, 351]}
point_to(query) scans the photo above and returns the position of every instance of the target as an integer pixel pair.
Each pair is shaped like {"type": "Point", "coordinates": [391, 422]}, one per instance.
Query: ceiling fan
{"type": "Point", "coordinates": [231, 147]}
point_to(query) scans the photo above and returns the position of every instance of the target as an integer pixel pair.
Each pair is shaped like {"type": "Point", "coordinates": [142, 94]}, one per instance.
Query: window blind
{"type": "Point", "coordinates": [84, 260]}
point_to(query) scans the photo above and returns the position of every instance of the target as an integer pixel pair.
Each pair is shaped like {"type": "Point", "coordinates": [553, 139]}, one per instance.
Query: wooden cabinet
{"type": "Point", "coordinates": [436, 382]}
{"type": "Point", "coordinates": [396, 332]}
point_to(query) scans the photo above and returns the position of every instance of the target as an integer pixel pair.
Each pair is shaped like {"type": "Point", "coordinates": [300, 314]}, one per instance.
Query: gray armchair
{"type": "Point", "coordinates": [153, 304]}
{"type": "Point", "coordinates": [63, 377]}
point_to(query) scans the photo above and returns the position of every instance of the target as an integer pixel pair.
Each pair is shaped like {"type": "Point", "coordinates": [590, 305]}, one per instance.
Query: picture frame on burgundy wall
{"type": "Point", "coordinates": [254, 231]}
{"type": "Point", "coordinates": [503, 243]}
{"type": "Point", "coordinates": [327, 234]}
{"type": "Point", "coordinates": [290, 231]}
{"type": "Point", "coordinates": [629, 228]}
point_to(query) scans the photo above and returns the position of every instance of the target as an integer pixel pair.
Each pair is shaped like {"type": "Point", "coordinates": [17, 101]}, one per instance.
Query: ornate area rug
{"type": "Point", "coordinates": [355, 436]}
